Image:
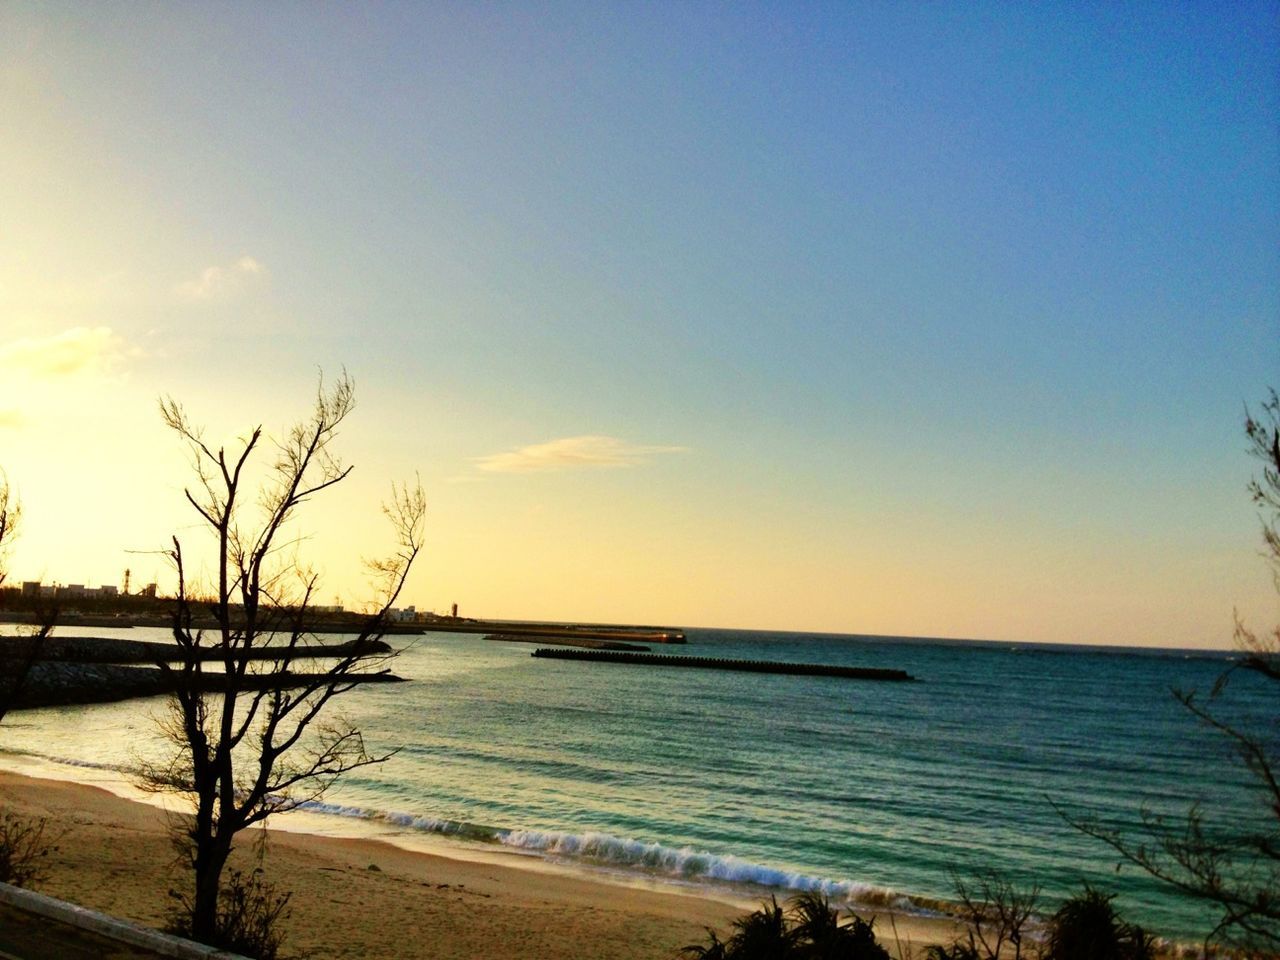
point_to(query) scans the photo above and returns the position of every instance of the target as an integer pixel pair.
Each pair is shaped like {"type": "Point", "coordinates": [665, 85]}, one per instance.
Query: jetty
{"type": "Point", "coordinates": [556, 632]}
{"type": "Point", "coordinates": [716, 663]}
{"type": "Point", "coordinates": [584, 642]}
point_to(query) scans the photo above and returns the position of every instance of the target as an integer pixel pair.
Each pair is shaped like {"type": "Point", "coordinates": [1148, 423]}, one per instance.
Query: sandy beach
{"type": "Point", "coordinates": [370, 899]}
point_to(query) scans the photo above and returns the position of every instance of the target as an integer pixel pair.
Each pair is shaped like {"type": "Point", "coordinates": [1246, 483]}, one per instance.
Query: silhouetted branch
{"type": "Point", "coordinates": [1234, 866]}
{"type": "Point", "coordinates": [296, 753]}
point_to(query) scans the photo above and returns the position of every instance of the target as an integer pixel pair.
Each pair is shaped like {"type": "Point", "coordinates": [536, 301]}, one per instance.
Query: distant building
{"type": "Point", "coordinates": [81, 592]}
{"type": "Point", "coordinates": [108, 591]}
{"type": "Point", "coordinates": [407, 615]}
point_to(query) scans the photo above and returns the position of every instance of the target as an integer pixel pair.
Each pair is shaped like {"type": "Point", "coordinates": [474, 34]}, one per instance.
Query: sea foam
{"type": "Point", "coordinates": [685, 864]}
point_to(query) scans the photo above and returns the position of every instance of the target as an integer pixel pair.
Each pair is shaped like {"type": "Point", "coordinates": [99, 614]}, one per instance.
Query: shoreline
{"type": "Point", "coordinates": [455, 901]}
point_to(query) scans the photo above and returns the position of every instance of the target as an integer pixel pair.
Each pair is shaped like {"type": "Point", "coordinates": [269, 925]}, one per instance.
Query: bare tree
{"type": "Point", "coordinates": [1263, 433]}
{"type": "Point", "coordinates": [25, 842]}
{"type": "Point", "coordinates": [268, 740]}
{"type": "Point", "coordinates": [995, 914]}
{"type": "Point", "coordinates": [10, 514]}
{"type": "Point", "coordinates": [20, 653]}
{"type": "Point", "coordinates": [1233, 866]}
{"type": "Point", "coordinates": [18, 657]}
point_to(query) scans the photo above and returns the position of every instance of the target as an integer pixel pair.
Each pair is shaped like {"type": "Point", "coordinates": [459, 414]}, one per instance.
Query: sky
{"type": "Point", "coordinates": [921, 319]}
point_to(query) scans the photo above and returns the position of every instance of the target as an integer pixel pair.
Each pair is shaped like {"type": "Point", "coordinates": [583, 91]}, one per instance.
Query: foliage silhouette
{"type": "Point", "coordinates": [1087, 925]}
{"type": "Point", "coordinates": [953, 951]}
{"type": "Point", "coordinates": [248, 920]}
{"type": "Point", "coordinates": [1001, 924]}
{"type": "Point", "coordinates": [809, 930]}
{"type": "Point", "coordinates": [995, 914]}
{"type": "Point", "coordinates": [10, 516]}
{"type": "Point", "coordinates": [1234, 866]}
{"type": "Point", "coordinates": [25, 845]}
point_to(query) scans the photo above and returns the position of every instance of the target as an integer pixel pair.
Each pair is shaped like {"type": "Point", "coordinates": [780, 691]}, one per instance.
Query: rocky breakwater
{"type": "Point", "coordinates": [61, 671]}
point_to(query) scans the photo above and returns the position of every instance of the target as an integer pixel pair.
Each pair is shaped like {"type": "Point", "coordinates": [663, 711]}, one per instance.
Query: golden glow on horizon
{"type": "Point", "coordinates": [97, 471]}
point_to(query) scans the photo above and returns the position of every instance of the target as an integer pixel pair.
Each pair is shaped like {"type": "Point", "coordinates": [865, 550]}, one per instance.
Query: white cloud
{"type": "Point", "coordinates": [571, 453]}
{"type": "Point", "coordinates": [215, 283]}
{"type": "Point", "coordinates": [78, 350]}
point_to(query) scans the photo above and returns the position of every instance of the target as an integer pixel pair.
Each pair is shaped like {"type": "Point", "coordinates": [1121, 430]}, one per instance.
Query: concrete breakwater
{"type": "Point", "coordinates": [715, 663]}
{"type": "Point", "coordinates": [583, 642]}
{"type": "Point", "coordinates": [558, 631]}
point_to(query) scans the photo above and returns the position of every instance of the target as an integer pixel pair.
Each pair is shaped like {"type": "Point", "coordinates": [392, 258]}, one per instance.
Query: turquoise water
{"type": "Point", "coordinates": [871, 791]}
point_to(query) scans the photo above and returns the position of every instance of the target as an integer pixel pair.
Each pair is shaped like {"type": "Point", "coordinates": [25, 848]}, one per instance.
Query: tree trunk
{"type": "Point", "coordinates": [209, 863]}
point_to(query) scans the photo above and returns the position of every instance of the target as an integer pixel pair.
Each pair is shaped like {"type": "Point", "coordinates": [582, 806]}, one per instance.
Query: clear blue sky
{"type": "Point", "coordinates": [912, 318]}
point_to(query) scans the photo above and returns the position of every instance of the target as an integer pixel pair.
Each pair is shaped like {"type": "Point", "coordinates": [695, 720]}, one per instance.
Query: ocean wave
{"type": "Point", "coordinates": [123, 768]}
{"type": "Point", "coordinates": [685, 864]}
{"type": "Point", "coordinates": [408, 821]}
{"type": "Point", "coordinates": [688, 863]}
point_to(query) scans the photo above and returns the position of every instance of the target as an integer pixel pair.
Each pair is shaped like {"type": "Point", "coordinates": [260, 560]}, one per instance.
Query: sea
{"type": "Point", "coordinates": [750, 784]}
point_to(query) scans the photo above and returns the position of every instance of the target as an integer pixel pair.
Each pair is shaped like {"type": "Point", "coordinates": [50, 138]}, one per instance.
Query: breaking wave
{"type": "Point", "coordinates": [685, 864]}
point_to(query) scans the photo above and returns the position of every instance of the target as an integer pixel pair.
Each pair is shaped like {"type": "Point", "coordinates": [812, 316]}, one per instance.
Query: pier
{"type": "Point", "coordinates": [715, 663]}
{"type": "Point", "coordinates": [556, 632]}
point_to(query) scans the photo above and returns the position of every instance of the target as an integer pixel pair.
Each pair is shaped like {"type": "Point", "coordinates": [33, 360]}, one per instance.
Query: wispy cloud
{"type": "Point", "coordinates": [572, 453]}
{"type": "Point", "coordinates": [219, 282]}
{"type": "Point", "coordinates": [78, 350]}
{"type": "Point", "coordinates": [10, 418]}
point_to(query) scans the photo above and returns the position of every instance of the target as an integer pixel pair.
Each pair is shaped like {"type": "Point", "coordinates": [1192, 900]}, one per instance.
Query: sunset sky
{"type": "Point", "coordinates": [928, 319]}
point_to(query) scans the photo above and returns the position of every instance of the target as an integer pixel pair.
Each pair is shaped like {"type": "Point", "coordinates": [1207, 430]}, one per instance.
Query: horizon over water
{"type": "Point", "coordinates": [1228, 652]}
{"type": "Point", "coordinates": [869, 791]}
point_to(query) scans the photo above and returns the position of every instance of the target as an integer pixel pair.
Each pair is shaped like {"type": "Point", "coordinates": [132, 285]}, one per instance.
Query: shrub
{"type": "Point", "coordinates": [24, 847]}
{"type": "Point", "coordinates": [713, 949]}
{"type": "Point", "coordinates": [995, 914]}
{"type": "Point", "coordinates": [809, 930]}
{"type": "Point", "coordinates": [1087, 925]}
{"type": "Point", "coordinates": [248, 920]}
{"type": "Point", "coordinates": [956, 951]}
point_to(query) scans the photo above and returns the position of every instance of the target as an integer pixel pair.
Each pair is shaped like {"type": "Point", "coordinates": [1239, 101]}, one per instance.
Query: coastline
{"type": "Point", "coordinates": [354, 623]}
{"type": "Point", "coordinates": [372, 897]}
